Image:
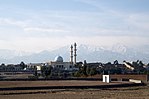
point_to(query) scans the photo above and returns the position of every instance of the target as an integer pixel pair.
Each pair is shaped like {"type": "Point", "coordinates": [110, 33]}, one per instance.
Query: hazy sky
{"type": "Point", "coordinates": [35, 25]}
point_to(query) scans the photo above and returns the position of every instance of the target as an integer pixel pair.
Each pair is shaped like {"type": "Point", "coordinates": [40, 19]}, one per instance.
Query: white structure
{"type": "Point", "coordinates": [75, 53]}
{"type": "Point", "coordinates": [128, 66]}
{"type": "Point", "coordinates": [71, 54]}
{"type": "Point", "coordinates": [58, 59]}
{"type": "Point", "coordinates": [106, 78]}
{"type": "Point", "coordinates": [135, 81]}
{"type": "Point", "coordinates": [59, 64]}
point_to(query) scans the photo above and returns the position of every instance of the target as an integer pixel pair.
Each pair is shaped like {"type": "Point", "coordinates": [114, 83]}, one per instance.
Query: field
{"type": "Point", "coordinates": [138, 92]}
{"type": "Point", "coordinates": [8, 84]}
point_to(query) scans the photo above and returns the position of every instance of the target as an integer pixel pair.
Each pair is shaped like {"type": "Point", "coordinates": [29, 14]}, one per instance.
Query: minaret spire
{"type": "Point", "coordinates": [71, 54]}
{"type": "Point", "coordinates": [75, 53]}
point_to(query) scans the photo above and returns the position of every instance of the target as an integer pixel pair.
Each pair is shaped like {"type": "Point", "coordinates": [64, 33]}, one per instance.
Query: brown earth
{"type": "Point", "coordinates": [7, 84]}
{"type": "Point", "coordinates": [139, 92]}
{"type": "Point", "coordinates": [116, 93]}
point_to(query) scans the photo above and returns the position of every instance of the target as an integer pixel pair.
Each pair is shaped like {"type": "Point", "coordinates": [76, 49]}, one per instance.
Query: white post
{"type": "Point", "coordinates": [106, 78]}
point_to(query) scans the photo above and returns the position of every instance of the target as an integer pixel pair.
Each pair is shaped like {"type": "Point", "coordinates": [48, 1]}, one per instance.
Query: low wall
{"type": "Point", "coordinates": [135, 81]}
{"type": "Point", "coordinates": [143, 78]}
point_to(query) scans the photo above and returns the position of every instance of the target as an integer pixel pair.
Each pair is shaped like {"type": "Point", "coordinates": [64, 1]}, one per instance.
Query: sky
{"type": "Point", "coordinates": [36, 25]}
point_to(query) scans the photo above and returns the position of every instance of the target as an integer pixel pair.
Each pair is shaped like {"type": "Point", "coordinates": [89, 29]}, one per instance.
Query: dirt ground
{"type": "Point", "coordinates": [7, 84]}
{"type": "Point", "coordinates": [139, 92]}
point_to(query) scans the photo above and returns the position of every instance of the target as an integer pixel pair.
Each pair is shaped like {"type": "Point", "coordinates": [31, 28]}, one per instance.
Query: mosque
{"type": "Point", "coordinates": [59, 64]}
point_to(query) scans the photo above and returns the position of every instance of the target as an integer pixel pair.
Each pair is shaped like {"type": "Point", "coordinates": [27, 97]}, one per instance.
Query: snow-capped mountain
{"type": "Point", "coordinates": [119, 48]}
{"type": "Point", "coordinates": [9, 54]}
{"type": "Point", "coordinates": [90, 48]}
{"type": "Point", "coordinates": [84, 52]}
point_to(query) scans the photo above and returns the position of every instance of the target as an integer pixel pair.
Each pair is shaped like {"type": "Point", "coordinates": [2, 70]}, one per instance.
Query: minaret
{"type": "Point", "coordinates": [75, 53]}
{"type": "Point", "coordinates": [71, 54]}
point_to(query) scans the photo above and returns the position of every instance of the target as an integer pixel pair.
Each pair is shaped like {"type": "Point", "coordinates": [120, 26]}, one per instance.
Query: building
{"type": "Point", "coordinates": [59, 64]}
{"type": "Point", "coordinates": [59, 68]}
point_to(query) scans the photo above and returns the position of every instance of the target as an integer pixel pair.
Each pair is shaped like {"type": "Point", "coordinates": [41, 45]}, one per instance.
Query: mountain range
{"type": "Point", "coordinates": [84, 52]}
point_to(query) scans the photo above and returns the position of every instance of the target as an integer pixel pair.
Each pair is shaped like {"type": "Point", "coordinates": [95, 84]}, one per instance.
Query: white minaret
{"type": "Point", "coordinates": [75, 53]}
{"type": "Point", "coordinates": [71, 54]}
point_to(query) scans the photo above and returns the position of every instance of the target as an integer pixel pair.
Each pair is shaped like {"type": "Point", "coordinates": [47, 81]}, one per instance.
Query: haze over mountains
{"type": "Point", "coordinates": [84, 52]}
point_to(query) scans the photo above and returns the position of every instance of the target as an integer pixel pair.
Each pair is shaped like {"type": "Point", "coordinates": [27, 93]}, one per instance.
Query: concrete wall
{"type": "Point", "coordinates": [135, 81]}
{"type": "Point", "coordinates": [143, 78]}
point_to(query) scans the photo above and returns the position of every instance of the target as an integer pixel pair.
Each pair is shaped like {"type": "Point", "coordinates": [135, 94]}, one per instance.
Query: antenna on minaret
{"type": "Point", "coordinates": [75, 53]}
{"type": "Point", "coordinates": [71, 54]}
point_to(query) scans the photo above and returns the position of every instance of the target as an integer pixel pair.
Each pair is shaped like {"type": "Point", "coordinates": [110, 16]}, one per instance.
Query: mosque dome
{"type": "Point", "coordinates": [58, 59]}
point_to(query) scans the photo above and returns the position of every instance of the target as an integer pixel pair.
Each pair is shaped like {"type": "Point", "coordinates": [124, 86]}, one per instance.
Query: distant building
{"type": "Point", "coordinates": [59, 64]}
{"type": "Point", "coordinates": [128, 65]}
{"type": "Point", "coordinates": [59, 67]}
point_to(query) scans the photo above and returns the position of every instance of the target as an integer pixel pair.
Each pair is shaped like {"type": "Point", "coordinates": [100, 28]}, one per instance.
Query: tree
{"type": "Point", "coordinates": [141, 64]}
{"type": "Point", "coordinates": [46, 71]}
{"type": "Point", "coordinates": [84, 70]}
{"type": "Point", "coordinates": [116, 62]}
{"type": "Point", "coordinates": [2, 64]}
{"type": "Point", "coordinates": [109, 63]}
{"type": "Point", "coordinates": [138, 66]}
{"type": "Point", "coordinates": [93, 71]}
{"type": "Point", "coordinates": [22, 65]}
{"type": "Point", "coordinates": [77, 74]}
{"type": "Point", "coordinates": [78, 64]}
{"type": "Point", "coordinates": [88, 70]}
